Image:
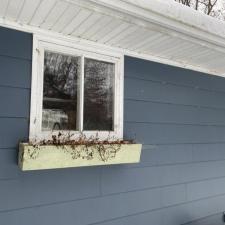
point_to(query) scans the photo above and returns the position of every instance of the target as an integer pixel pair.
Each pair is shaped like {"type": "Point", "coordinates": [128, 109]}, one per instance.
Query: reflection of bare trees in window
{"type": "Point", "coordinates": [60, 75]}
{"type": "Point", "coordinates": [98, 95]}
{"type": "Point", "coordinates": [60, 91]}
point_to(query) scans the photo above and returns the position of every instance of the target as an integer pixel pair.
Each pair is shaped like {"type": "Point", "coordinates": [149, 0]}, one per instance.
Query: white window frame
{"type": "Point", "coordinates": [40, 44]}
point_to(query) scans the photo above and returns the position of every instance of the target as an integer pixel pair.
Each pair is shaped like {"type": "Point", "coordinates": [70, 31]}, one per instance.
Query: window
{"type": "Point", "coordinates": [75, 90]}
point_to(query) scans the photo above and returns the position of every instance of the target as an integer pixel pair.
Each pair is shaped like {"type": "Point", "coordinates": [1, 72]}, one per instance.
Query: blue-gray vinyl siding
{"type": "Point", "coordinates": [179, 116]}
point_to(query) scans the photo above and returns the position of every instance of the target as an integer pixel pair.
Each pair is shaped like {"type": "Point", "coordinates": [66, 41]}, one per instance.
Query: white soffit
{"type": "Point", "coordinates": [159, 30]}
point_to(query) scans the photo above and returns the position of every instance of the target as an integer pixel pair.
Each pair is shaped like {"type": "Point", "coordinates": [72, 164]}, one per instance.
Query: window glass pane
{"type": "Point", "coordinates": [98, 95]}
{"type": "Point", "coordinates": [60, 91]}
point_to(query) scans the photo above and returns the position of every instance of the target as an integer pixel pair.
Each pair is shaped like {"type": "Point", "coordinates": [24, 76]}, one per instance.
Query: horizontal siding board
{"type": "Point", "coordinates": [206, 152]}
{"type": "Point", "coordinates": [173, 195]}
{"type": "Point", "coordinates": [149, 177]}
{"type": "Point", "coordinates": [171, 113]}
{"type": "Point", "coordinates": [57, 214]}
{"type": "Point", "coordinates": [147, 218]}
{"type": "Point", "coordinates": [34, 189]}
{"type": "Point", "coordinates": [148, 70]}
{"type": "Point", "coordinates": [214, 219]}
{"type": "Point", "coordinates": [15, 72]}
{"type": "Point", "coordinates": [13, 130]}
{"type": "Point", "coordinates": [8, 164]}
{"type": "Point", "coordinates": [85, 211]}
{"type": "Point", "coordinates": [137, 89]}
{"type": "Point", "coordinates": [12, 97]}
{"type": "Point", "coordinates": [9, 43]}
{"type": "Point", "coordinates": [149, 133]}
{"type": "Point", "coordinates": [177, 215]}
{"type": "Point", "coordinates": [182, 214]}
{"type": "Point", "coordinates": [207, 207]}
{"type": "Point", "coordinates": [165, 154]}
{"type": "Point", "coordinates": [205, 189]}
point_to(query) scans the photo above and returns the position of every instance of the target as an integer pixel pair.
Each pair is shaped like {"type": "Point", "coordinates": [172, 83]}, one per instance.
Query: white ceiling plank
{"type": "Point", "coordinates": [160, 45]}
{"type": "Point", "coordinates": [149, 39]}
{"type": "Point", "coordinates": [210, 59]}
{"type": "Point", "coordinates": [106, 29]}
{"type": "Point", "coordinates": [143, 37]}
{"type": "Point", "coordinates": [28, 10]}
{"type": "Point", "coordinates": [3, 7]}
{"type": "Point", "coordinates": [102, 22]}
{"type": "Point", "coordinates": [114, 33]}
{"type": "Point", "coordinates": [199, 54]}
{"type": "Point", "coordinates": [154, 43]}
{"type": "Point", "coordinates": [129, 31]}
{"type": "Point", "coordinates": [176, 49]}
{"type": "Point", "coordinates": [216, 61]}
{"type": "Point", "coordinates": [81, 16]}
{"type": "Point", "coordinates": [137, 36]}
{"type": "Point", "coordinates": [42, 12]}
{"type": "Point", "coordinates": [190, 53]}
{"type": "Point", "coordinates": [89, 22]}
{"type": "Point", "coordinates": [14, 9]}
{"type": "Point", "coordinates": [65, 19]}
{"type": "Point", "coordinates": [204, 58]}
{"type": "Point", "coordinates": [219, 63]}
{"type": "Point", "coordinates": [55, 14]}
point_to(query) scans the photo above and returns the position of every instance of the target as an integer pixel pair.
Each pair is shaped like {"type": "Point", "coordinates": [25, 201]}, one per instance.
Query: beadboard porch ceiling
{"type": "Point", "coordinates": [155, 30]}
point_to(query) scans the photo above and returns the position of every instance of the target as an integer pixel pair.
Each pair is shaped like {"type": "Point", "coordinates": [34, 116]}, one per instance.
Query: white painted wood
{"type": "Point", "coordinates": [199, 54]}
{"type": "Point", "coordinates": [135, 38]}
{"type": "Point", "coordinates": [211, 59]}
{"type": "Point", "coordinates": [87, 24]}
{"type": "Point", "coordinates": [80, 118]}
{"type": "Point", "coordinates": [28, 10]}
{"type": "Point", "coordinates": [81, 16]}
{"type": "Point", "coordinates": [3, 7]}
{"type": "Point", "coordinates": [106, 29]}
{"type": "Point", "coordinates": [147, 40]}
{"type": "Point", "coordinates": [216, 60]}
{"type": "Point", "coordinates": [34, 92]}
{"type": "Point", "coordinates": [44, 8]}
{"type": "Point", "coordinates": [89, 33]}
{"type": "Point", "coordinates": [14, 8]}
{"type": "Point", "coordinates": [114, 33]}
{"type": "Point", "coordinates": [158, 44]}
{"type": "Point", "coordinates": [66, 18]}
{"type": "Point", "coordinates": [175, 50]}
{"type": "Point", "coordinates": [55, 14]}
{"type": "Point", "coordinates": [52, 157]}
{"type": "Point", "coordinates": [123, 35]}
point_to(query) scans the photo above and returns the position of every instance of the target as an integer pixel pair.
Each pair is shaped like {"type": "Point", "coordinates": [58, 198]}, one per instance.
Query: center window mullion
{"type": "Point", "coordinates": [81, 96]}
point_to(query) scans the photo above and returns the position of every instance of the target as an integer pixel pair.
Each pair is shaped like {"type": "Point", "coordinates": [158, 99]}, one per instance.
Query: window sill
{"type": "Point", "coordinates": [52, 157]}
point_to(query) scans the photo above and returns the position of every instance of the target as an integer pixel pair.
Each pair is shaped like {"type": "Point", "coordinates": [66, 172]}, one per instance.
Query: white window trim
{"type": "Point", "coordinates": [40, 44]}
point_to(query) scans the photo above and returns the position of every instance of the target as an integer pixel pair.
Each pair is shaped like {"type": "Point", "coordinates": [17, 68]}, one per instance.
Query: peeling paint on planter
{"type": "Point", "coordinates": [52, 157]}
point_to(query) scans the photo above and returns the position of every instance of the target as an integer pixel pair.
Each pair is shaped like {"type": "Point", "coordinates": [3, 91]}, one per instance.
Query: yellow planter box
{"type": "Point", "coordinates": [51, 156]}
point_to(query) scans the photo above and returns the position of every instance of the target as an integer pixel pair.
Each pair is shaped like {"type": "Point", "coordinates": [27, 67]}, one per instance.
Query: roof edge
{"type": "Point", "coordinates": [172, 16]}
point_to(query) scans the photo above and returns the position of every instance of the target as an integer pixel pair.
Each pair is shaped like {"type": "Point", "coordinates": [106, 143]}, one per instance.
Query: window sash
{"type": "Point", "coordinates": [36, 132]}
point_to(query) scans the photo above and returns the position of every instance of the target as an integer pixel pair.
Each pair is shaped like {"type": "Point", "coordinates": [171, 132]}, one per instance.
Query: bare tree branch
{"type": "Point", "coordinates": [209, 7]}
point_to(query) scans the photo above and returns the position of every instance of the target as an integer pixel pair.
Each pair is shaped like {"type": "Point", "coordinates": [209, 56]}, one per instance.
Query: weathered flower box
{"type": "Point", "coordinates": [51, 156]}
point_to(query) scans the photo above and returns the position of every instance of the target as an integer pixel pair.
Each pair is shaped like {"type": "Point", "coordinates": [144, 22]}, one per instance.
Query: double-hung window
{"type": "Point", "coordinates": [75, 90]}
